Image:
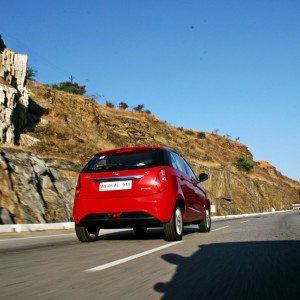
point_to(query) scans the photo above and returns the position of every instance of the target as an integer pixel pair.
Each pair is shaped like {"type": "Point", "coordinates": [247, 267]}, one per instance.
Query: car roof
{"type": "Point", "coordinates": [132, 149]}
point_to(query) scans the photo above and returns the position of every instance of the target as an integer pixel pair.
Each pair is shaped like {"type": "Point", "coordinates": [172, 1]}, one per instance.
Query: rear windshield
{"type": "Point", "coordinates": [124, 161]}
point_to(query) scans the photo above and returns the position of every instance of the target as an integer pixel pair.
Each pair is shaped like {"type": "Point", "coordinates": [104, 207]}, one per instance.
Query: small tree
{"type": "Point", "coordinates": [109, 104]}
{"type": "Point", "coordinates": [243, 164]}
{"type": "Point", "coordinates": [70, 87]}
{"type": "Point", "coordinates": [123, 105]}
{"type": "Point", "coordinates": [31, 74]}
{"type": "Point", "coordinates": [139, 107]}
{"type": "Point", "coordinates": [201, 135]}
{"type": "Point", "coordinates": [237, 139]}
{"type": "Point", "coordinates": [147, 111]}
{"type": "Point", "coordinates": [216, 131]}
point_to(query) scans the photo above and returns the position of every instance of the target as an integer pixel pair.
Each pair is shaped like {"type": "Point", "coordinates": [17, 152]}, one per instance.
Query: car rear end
{"type": "Point", "coordinates": [124, 188]}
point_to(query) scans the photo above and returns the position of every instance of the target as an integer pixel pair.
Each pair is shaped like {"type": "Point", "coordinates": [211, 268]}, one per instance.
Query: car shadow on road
{"type": "Point", "coordinates": [152, 234]}
{"type": "Point", "coordinates": [237, 270]}
{"type": "Point", "coordinates": [129, 235]}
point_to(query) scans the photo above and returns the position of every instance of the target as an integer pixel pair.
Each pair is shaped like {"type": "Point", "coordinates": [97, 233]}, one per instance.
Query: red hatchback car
{"type": "Point", "coordinates": [139, 187]}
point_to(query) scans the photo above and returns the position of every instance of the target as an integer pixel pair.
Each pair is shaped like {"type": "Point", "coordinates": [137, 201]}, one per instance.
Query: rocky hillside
{"type": "Point", "coordinates": [74, 127]}
{"type": "Point", "coordinates": [62, 131]}
{"type": "Point", "coordinates": [35, 190]}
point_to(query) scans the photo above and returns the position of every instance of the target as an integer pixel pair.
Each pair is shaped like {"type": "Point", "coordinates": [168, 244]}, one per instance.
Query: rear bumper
{"type": "Point", "coordinates": [124, 220]}
{"type": "Point", "coordinates": [147, 210]}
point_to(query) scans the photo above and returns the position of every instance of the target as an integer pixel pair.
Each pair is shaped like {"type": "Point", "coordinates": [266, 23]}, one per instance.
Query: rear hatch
{"type": "Point", "coordinates": [126, 174]}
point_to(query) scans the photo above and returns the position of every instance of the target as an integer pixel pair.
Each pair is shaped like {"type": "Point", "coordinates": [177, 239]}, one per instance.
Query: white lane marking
{"type": "Point", "coordinates": [126, 259]}
{"type": "Point", "coordinates": [221, 228]}
{"type": "Point", "coordinates": [35, 237]}
{"type": "Point", "coordinates": [245, 221]}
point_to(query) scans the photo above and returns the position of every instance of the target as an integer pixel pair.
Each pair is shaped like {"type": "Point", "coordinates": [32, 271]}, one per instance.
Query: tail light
{"type": "Point", "coordinates": [77, 187]}
{"type": "Point", "coordinates": [161, 180]}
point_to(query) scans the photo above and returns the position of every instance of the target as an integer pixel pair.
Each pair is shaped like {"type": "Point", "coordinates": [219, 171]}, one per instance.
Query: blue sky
{"type": "Point", "coordinates": [205, 65]}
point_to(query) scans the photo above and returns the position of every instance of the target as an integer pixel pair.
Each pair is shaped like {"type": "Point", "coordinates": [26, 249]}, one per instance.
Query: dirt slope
{"type": "Point", "coordinates": [74, 127]}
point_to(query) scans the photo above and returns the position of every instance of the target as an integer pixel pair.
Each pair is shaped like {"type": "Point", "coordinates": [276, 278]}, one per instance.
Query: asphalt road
{"type": "Point", "coordinates": [249, 258]}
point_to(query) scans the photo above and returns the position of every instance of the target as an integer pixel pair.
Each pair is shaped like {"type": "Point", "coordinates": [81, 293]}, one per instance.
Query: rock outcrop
{"type": "Point", "coordinates": [35, 190]}
{"type": "Point", "coordinates": [13, 95]}
{"type": "Point", "coordinates": [235, 192]}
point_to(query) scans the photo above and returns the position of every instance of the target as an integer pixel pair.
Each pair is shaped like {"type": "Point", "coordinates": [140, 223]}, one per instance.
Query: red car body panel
{"type": "Point", "coordinates": [148, 194]}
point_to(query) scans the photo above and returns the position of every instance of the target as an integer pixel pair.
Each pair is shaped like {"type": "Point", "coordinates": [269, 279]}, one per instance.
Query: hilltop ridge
{"type": "Point", "coordinates": [67, 120]}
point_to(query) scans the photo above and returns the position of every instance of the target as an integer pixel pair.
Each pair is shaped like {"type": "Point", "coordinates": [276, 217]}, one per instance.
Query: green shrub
{"type": "Point", "coordinates": [201, 135]}
{"type": "Point", "coordinates": [147, 111]}
{"type": "Point", "coordinates": [109, 104]}
{"type": "Point", "coordinates": [243, 164]}
{"type": "Point", "coordinates": [31, 74]}
{"type": "Point", "coordinates": [123, 105]}
{"type": "Point", "coordinates": [139, 107]}
{"type": "Point", "coordinates": [189, 132]}
{"type": "Point", "coordinates": [70, 87]}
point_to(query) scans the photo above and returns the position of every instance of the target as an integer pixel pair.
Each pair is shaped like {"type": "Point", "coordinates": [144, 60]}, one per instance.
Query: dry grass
{"type": "Point", "coordinates": [76, 127]}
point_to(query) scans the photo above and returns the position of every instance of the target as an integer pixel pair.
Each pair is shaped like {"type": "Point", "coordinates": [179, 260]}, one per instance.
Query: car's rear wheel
{"type": "Point", "coordinates": [205, 224]}
{"type": "Point", "coordinates": [174, 229]}
{"type": "Point", "coordinates": [86, 235]}
{"type": "Point", "coordinates": [139, 231]}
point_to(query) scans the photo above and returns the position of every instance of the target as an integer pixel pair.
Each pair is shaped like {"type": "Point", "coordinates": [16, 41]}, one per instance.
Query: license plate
{"type": "Point", "coordinates": [115, 185]}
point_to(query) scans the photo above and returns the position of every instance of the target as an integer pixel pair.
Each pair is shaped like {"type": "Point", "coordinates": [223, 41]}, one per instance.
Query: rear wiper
{"type": "Point", "coordinates": [108, 167]}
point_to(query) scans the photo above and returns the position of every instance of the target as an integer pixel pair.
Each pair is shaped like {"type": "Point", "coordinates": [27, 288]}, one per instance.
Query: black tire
{"type": "Point", "coordinates": [205, 224]}
{"type": "Point", "coordinates": [139, 231]}
{"type": "Point", "coordinates": [174, 229]}
{"type": "Point", "coordinates": [86, 235]}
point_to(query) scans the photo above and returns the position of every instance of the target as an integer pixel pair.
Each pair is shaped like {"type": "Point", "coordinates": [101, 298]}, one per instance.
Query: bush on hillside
{"type": "Point", "coordinates": [201, 135]}
{"type": "Point", "coordinates": [31, 74]}
{"type": "Point", "coordinates": [189, 132]}
{"type": "Point", "coordinates": [139, 107]}
{"type": "Point", "coordinates": [243, 164]}
{"type": "Point", "coordinates": [70, 87]}
{"type": "Point", "coordinates": [109, 104]}
{"type": "Point", "coordinates": [123, 105]}
{"type": "Point", "coordinates": [147, 111]}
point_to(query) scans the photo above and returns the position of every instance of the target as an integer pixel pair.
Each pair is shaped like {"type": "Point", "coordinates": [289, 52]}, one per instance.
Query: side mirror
{"type": "Point", "coordinates": [203, 177]}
